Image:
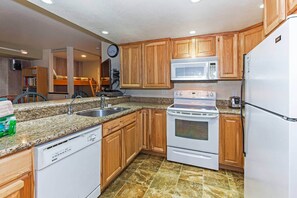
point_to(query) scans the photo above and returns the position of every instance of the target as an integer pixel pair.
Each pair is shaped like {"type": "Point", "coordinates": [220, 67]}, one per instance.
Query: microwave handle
{"type": "Point", "coordinates": [191, 115]}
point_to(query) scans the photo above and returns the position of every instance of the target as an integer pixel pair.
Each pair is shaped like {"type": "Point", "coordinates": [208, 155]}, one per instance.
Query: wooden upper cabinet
{"type": "Point", "coordinates": [111, 157]}
{"type": "Point", "coordinates": [182, 48]}
{"type": "Point", "coordinates": [274, 14]}
{"type": "Point", "coordinates": [205, 46]}
{"type": "Point", "coordinates": [158, 131]}
{"type": "Point", "coordinates": [131, 63]}
{"type": "Point", "coordinates": [231, 142]}
{"type": "Point", "coordinates": [291, 6]}
{"type": "Point", "coordinates": [156, 64]}
{"type": "Point", "coordinates": [130, 147]}
{"type": "Point", "coordinates": [249, 39]}
{"type": "Point", "coordinates": [227, 52]}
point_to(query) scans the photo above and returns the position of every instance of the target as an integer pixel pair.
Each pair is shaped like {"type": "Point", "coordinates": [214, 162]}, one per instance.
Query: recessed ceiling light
{"type": "Point", "coordinates": [105, 32]}
{"type": "Point", "coordinates": [84, 56]}
{"type": "Point", "coordinates": [192, 32]}
{"type": "Point", "coordinates": [261, 6]}
{"type": "Point", "coordinates": [24, 51]}
{"type": "Point", "coordinates": [47, 1]}
{"type": "Point", "coordinates": [195, 1]}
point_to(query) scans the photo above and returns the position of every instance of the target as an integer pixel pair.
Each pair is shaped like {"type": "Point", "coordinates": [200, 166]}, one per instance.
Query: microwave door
{"type": "Point", "coordinates": [190, 71]}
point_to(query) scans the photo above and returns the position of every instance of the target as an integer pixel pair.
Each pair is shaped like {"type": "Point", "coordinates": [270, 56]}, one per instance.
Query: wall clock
{"type": "Point", "coordinates": [112, 50]}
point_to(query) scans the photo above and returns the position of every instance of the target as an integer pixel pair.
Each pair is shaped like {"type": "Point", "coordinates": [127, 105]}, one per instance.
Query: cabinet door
{"type": "Point", "coordinates": [158, 131]}
{"type": "Point", "coordinates": [205, 46]}
{"type": "Point", "coordinates": [146, 128]}
{"type": "Point", "coordinates": [247, 41]}
{"type": "Point", "coordinates": [156, 64]}
{"type": "Point", "coordinates": [231, 151]}
{"type": "Point", "coordinates": [228, 63]}
{"type": "Point", "coordinates": [182, 48]}
{"type": "Point", "coordinates": [131, 66]}
{"type": "Point", "coordinates": [139, 131]}
{"type": "Point", "coordinates": [129, 143]}
{"type": "Point", "coordinates": [111, 157]}
{"type": "Point", "coordinates": [291, 6]}
{"type": "Point", "coordinates": [274, 14]}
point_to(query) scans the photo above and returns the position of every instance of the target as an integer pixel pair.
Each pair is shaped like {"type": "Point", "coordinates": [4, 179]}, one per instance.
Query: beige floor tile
{"type": "Point", "coordinates": [187, 189]}
{"type": "Point", "coordinates": [131, 191]}
{"type": "Point", "coordinates": [163, 182]}
{"type": "Point", "coordinates": [142, 177]}
{"type": "Point", "coordinates": [153, 176]}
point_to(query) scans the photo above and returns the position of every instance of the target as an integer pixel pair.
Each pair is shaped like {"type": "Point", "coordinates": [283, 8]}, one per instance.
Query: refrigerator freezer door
{"type": "Point", "coordinates": [271, 70]}
{"type": "Point", "coordinates": [271, 159]}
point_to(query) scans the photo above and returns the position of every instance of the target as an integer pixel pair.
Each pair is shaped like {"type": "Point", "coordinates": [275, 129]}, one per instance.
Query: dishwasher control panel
{"type": "Point", "coordinates": [49, 153]}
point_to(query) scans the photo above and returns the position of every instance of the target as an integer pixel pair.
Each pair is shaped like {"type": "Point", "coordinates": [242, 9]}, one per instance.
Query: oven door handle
{"type": "Point", "coordinates": [193, 116]}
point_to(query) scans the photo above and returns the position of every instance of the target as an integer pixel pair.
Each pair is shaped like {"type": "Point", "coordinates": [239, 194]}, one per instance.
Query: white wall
{"type": "Point", "coordinates": [224, 89]}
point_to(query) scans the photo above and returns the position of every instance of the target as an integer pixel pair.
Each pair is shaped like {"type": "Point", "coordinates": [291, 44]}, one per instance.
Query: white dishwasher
{"type": "Point", "coordinates": [70, 166]}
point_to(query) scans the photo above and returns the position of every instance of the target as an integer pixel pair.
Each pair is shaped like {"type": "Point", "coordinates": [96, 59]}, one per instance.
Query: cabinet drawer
{"type": "Point", "coordinates": [15, 166]}
{"type": "Point", "coordinates": [114, 125]}
{"type": "Point", "coordinates": [128, 119]}
{"type": "Point", "coordinates": [111, 126]}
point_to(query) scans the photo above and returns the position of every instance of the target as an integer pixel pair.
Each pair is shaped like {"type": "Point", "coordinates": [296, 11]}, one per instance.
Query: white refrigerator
{"type": "Point", "coordinates": [271, 115]}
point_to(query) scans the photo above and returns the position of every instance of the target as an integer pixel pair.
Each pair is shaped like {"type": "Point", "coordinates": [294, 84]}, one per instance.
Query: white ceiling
{"type": "Point", "coordinates": [135, 20]}
{"type": "Point", "coordinates": [77, 56]}
{"type": "Point", "coordinates": [22, 26]}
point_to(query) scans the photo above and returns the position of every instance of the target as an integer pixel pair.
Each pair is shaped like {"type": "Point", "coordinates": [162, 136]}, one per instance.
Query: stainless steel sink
{"type": "Point", "coordinates": [102, 112]}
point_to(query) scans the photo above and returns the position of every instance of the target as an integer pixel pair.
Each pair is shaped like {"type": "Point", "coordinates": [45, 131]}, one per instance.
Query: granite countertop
{"type": "Point", "coordinates": [39, 131]}
{"type": "Point", "coordinates": [228, 110]}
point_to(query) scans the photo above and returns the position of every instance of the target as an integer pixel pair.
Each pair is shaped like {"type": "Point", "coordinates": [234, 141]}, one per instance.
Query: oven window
{"type": "Point", "coordinates": [191, 129]}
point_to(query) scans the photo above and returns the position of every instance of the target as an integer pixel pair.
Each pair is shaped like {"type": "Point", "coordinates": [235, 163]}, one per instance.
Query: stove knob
{"type": "Point", "coordinates": [211, 94]}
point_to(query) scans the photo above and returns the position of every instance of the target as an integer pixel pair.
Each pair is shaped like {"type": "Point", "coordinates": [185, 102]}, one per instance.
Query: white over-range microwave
{"type": "Point", "coordinates": [194, 69]}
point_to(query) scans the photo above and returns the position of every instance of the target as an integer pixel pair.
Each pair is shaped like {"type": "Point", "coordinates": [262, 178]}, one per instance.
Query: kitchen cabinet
{"type": "Point", "coordinates": [130, 143]}
{"type": "Point", "coordinates": [145, 128]}
{"type": "Point", "coordinates": [131, 65]}
{"type": "Point", "coordinates": [156, 64]}
{"type": "Point", "coordinates": [139, 134]}
{"type": "Point", "coordinates": [291, 6]}
{"type": "Point", "coordinates": [231, 142]}
{"type": "Point", "coordinates": [274, 14]}
{"type": "Point", "coordinates": [182, 48]}
{"type": "Point", "coordinates": [111, 157]}
{"type": "Point", "coordinates": [194, 47]}
{"type": "Point", "coordinates": [154, 131]}
{"type": "Point", "coordinates": [16, 175]}
{"type": "Point", "coordinates": [227, 53]}
{"type": "Point", "coordinates": [248, 39]}
{"type": "Point", "coordinates": [158, 131]}
{"type": "Point", "coordinates": [120, 145]}
{"type": "Point", "coordinates": [205, 46]}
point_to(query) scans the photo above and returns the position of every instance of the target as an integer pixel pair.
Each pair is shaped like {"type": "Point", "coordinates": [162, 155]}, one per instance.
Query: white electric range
{"type": "Point", "coordinates": [193, 129]}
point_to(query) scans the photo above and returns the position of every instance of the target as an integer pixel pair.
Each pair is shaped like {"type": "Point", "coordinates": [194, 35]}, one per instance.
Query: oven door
{"type": "Point", "coordinates": [195, 132]}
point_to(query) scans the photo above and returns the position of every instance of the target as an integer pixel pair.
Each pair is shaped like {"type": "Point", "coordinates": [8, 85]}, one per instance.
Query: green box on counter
{"type": "Point", "coordinates": [7, 125]}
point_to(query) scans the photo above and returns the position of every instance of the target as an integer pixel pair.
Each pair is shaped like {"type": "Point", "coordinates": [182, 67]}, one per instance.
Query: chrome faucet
{"type": "Point", "coordinates": [70, 109]}
{"type": "Point", "coordinates": [102, 102]}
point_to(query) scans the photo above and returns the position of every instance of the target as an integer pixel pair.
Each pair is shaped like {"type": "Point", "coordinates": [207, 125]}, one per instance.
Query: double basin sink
{"type": "Point", "coordinates": [102, 112]}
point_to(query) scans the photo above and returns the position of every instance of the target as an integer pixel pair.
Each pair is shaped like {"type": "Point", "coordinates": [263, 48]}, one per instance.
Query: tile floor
{"type": "Point", "coordinates": [152, 176]}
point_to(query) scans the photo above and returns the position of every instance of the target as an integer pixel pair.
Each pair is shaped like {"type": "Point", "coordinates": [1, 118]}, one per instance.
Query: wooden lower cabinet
{"type": "Point", "coordinates": [130, 145]}
{"type": "Point", "coordinates": [158, 131]}
{"type": "Point", "coordinates": [16, 176]}
{"type": "Point", "coordinates": [111, 157]}
{"type": "Point", "coordinates": [120, 145]}
{"type": "Point", "coordinates": [231, 142]}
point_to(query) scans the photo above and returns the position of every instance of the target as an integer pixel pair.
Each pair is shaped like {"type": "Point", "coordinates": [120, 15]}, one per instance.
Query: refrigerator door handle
{"type": "Point", "coordinates": [242, 105]}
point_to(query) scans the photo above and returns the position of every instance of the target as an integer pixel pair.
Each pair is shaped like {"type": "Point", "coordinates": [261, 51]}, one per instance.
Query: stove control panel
{"type": "Point", "coordinates": [195, 94]}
